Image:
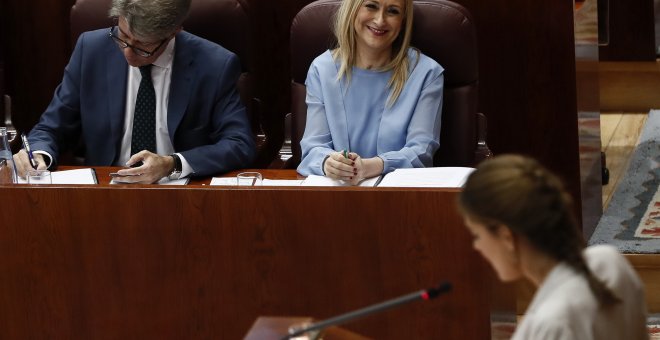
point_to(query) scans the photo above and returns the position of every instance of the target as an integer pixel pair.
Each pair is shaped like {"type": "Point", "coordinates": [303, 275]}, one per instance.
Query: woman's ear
{"type": "Point", "coordinates": [507, 237]}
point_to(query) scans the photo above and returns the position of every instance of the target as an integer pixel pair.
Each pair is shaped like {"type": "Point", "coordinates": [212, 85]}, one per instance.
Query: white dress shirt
{"type": "Point", "coordinates": [565, 308]}
{"type": "Point", "coordinates": [161, 75]}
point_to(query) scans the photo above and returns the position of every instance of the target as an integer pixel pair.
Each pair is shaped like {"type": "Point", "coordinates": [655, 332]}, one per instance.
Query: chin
{"type": "Point", "coordinates": [508, 277]}
{"type": "Point", "coordinates": [135, 63]}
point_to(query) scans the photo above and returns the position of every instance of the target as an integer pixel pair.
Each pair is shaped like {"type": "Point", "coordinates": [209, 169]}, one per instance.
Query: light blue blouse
{"type": "Point", "coordinates": [354, 115]}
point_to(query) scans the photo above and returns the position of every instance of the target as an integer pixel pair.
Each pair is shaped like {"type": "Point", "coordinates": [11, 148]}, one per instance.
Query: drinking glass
{"type": "Point", "coordinates": [249, 179]}
{"type": "Point", "coordinates": [39, 177]}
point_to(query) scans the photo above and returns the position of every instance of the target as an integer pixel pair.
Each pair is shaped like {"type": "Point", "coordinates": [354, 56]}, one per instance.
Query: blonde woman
{"type": "Point", "coordinates": [522, 222]}
{"type": "Point", "coordinates": [374, 102]}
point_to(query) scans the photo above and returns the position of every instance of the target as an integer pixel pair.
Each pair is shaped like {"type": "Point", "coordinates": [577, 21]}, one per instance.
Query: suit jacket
{"type": "Point", "coordinates": [207, 122]}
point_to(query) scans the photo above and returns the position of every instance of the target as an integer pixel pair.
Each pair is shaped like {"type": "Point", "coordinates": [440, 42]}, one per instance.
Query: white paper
{"type": "Point", "coordinates": [282, 182]}
{"type": "Point", "coordinates": [167, 181]}
{"type": "Point", "coordinates": [323, 181]}
{"type": "Point", "coordinates": [225, 181]}
{"type": "Point", "coordinates": [440, 177]}
{"type": "Point", "coordinates": [76, 176]}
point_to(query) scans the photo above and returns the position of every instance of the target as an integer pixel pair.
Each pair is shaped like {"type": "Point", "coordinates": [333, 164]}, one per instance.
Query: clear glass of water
{"type": "Point", "coordinates": [249, 179]}
{"type": "Point", "coordinates": [39, 177]}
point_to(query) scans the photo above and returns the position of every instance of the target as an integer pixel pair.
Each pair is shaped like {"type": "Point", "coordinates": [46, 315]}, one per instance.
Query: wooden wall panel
{"type": "Point", "coordinates": [527, 81]}
{"type": "Point", "coordinates": [37, 48]}
{"type": "Point", "coordinates": [631, 31]}
{"type": "Point", "coordinates": [118, 262]}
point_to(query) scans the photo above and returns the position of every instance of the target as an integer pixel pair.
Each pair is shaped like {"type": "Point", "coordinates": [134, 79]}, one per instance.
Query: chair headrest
{"type": "Point", "coordinates": [442, 30]}
{"type": "Point", "coordinates": [224, 22]}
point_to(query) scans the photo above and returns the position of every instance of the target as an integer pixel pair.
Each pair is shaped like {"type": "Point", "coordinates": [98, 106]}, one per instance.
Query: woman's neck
{"type": "Point", "coordinates": [369, 60]}
{"type": "Point", "coordinates": [537, 265]}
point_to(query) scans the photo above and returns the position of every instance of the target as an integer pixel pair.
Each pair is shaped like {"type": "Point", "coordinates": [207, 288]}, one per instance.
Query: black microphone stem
{"type": "Point", "coordinates": [338, 320]}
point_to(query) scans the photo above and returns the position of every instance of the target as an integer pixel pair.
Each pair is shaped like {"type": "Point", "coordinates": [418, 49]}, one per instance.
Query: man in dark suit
{"type": "Point", "coordinates": [146, 94]}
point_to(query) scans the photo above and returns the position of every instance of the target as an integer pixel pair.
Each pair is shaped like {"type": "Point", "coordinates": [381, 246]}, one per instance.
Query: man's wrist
{"type": "Point", "coordinates": [176, 168]}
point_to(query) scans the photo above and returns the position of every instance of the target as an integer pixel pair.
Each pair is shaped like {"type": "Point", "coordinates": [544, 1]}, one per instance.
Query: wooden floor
{"type": "Point", "coordinates": [619, 135]}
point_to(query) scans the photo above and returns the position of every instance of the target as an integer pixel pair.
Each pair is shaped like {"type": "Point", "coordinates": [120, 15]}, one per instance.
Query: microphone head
{"type": "Point", "coordinates": [442, 288]}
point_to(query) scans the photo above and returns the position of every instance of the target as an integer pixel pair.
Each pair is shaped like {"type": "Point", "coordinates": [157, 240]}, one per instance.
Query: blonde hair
{"type": "Point", "coordinates": [345, 51]}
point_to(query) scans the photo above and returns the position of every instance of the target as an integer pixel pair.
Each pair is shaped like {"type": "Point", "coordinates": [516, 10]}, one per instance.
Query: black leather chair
{"type": "Point", "coordinates": [444, 31]}
{"type": "Point", "coordinates": [225, 22]}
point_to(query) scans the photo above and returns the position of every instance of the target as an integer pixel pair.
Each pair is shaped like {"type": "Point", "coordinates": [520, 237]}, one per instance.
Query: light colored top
{"type": "Point", "coordinates": [354, 115]}
{"type": "Point", "coordinates": [161, 76]}
{"type": "Point", "coordinates": [565, 308]}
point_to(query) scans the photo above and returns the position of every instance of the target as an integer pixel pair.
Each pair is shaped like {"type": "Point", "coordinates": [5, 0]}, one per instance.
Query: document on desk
{"type": "Point", "coordinates": [281, 182]}
{"type": "Point", "coordinates": [439, 177]}
{"type": "Point", "coordinates": [322, 181]}
{"type": "Point", "coordinates": [231, 181]}
{"type": "Point", "coordinates": [224, 181]}
{"type": "Point", "coordinates": [76, 176]}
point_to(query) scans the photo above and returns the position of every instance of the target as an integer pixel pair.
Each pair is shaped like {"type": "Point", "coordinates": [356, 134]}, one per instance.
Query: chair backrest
{"type": "Point", "coordinates": [442, 30]}
{"type": "Point", "coordinates": [225, 22]}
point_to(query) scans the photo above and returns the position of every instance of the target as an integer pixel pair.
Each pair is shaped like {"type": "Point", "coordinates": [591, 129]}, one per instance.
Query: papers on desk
{"type": "Point", "coordinates": [76, 176]}
{"type": "Point", "coordinates": [224, 181]}
{"type": "Point", "coordinates": [231, 181]}
{"type": "Point", "coordinates": [322, 181]}
{"type": "Point", "coordinates": [282, 182]}
{"type": "Point", "coordinates": [441, 177]}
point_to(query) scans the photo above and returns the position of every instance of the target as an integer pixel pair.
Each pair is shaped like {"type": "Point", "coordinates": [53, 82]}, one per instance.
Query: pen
{"type": "Point", "coordinates": [345, 153]}
{"type": "Point", "coordinates": [26, 146]}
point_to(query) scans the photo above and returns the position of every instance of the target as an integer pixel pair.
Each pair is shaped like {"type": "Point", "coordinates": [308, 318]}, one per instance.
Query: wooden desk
{"type": "Point", "coordinates": [135, 262]}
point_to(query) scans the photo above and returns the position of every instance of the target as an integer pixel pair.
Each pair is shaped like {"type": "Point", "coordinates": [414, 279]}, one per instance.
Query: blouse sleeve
{"type": "Point", "coordinates": [545, 329]}
{"type": "Point", "coordinates": [423, 133]}
{"type": "Point", "coordinates": [316, 143]}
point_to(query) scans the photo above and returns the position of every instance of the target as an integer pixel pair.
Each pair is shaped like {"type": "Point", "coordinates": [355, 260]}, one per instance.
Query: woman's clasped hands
{"type": "Point", "coordinates": [350, 167]}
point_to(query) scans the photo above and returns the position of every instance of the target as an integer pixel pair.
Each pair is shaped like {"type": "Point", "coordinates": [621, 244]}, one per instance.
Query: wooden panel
{"type": "Point", "coordinates": [37, 49]}
{"type": "Point", "coordinates": [588, 107]}
{"type": "Point", "coordinates": [527, 81]}
{"type": "Point", "coordinates": [631, 31]}
{"type": "Point", "coordinates": [629, 86]}
{"type": "Point", "coordinates": [200, 262]}
{"type": "Point", "coordinates": [648, 268]}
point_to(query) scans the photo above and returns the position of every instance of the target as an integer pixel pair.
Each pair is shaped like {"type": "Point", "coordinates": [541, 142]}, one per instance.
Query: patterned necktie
{"type": "Point", "coordinates": [144, 119]}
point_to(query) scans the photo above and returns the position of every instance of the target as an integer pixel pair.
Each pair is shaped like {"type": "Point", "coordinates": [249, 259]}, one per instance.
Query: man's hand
{"type": "Point", "coordinates": [153, 168]}
{"type": "Point", "coordinates": [22, 162]}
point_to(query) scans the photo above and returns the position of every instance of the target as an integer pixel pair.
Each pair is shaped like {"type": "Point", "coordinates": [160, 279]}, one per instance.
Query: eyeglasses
{"type": "Point", "coordinates": [122, 44]}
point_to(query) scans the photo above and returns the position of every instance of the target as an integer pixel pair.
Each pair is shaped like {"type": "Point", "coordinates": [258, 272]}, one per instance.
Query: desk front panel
{"type": "Point", "coordinates": [177, 263]}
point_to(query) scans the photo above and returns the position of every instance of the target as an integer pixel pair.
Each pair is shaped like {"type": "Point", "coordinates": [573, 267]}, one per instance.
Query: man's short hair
{"type": "Point", "coordinates": [151, 19]}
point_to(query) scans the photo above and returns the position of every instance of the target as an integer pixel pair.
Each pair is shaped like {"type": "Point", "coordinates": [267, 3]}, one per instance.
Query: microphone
{"type": "Point", "coordinates": [427, 294]}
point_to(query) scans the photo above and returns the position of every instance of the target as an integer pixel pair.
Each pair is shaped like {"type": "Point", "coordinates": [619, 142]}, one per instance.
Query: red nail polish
{"type": "Point", "coordinates": [352, 163]}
